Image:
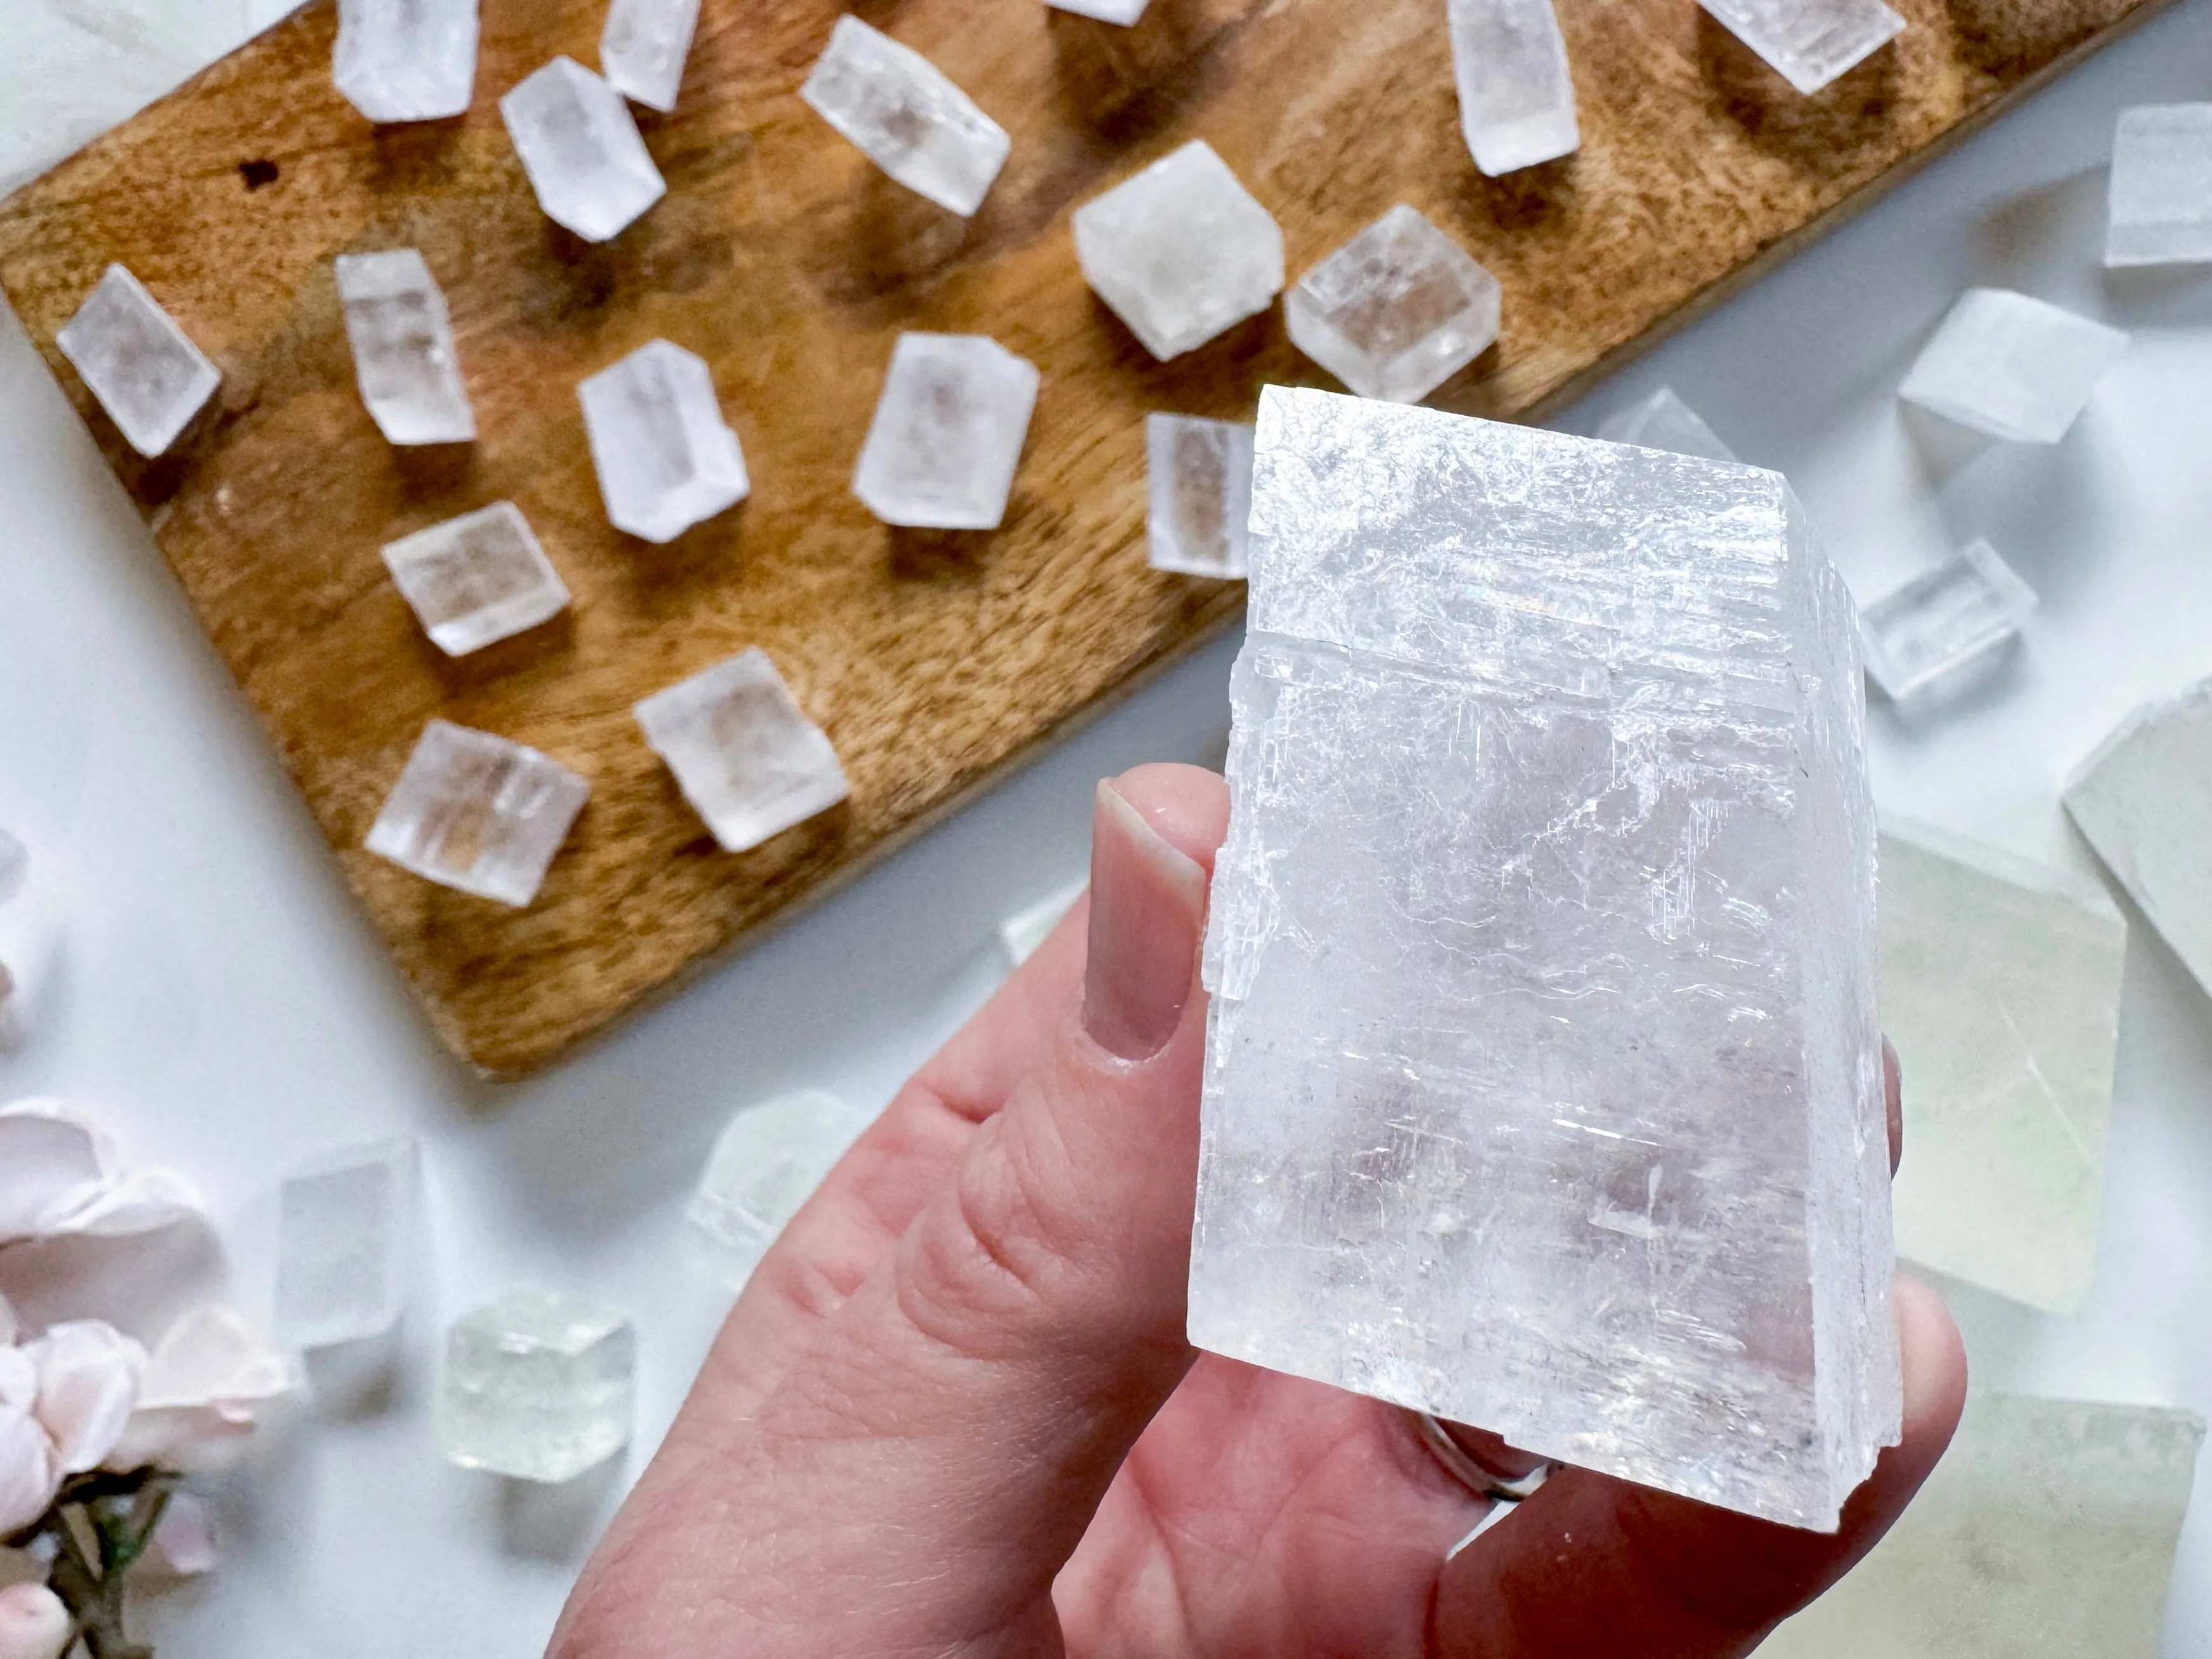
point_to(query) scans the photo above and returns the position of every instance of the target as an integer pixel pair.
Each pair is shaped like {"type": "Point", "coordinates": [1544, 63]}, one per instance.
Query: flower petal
{"type": "Point", "coordinates": [29, 1476]}
{"type": "Point", "coordinates": [51, 1163]}
{"type": "Point", "coordinates": [183, 1544]}
{"type": "Point", "coordinates": [88, 1375]}
{"type": "Point", "coordinates": [18, 1379]}
{"type": "Point", "coordinates": [202, 1387]}
{"type": "Point", "coordinates": [143, 1202]}
{"type": "Point", "coordinates": [34, 1623]}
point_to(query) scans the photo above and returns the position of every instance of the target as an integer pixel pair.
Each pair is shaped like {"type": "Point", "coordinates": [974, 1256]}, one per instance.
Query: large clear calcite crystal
{"type": "Point", "coordinates": [2014, 367]}
{"type": "Point", "coordinates": [2159, 209]}
{"type": "Point", "coordinates": [643, 47]}
{"type": "Point", "coordinates": [538, 1387]}
{"type": "Point", "coordinates": [1808, 43]}
{"type": "Point", "coordinates": [402, 347]}
{"type": "Point", "coordinates": [478, 813]}
{"type": "Point", "coordinates": [1662, 420]}
{"type": "Point", "coordinates": [743, 751]}
{"type": "Point", "coordinates": [1517, 99]}
{"type": "Point", "coordinates": [147, 374]}
{"type": "Point", "coordinates": [1396, 311]}
{"type": "Point", "coordinates": [904, 114]}
{"type": "Point", "coordinates": [406, 60]}
{"type": "Point", "coordinates": [666, 460]}
{"type": "Point", "coordinates": [1543, 1082]}
{"type": "Point", "coordinates": [579, 146]}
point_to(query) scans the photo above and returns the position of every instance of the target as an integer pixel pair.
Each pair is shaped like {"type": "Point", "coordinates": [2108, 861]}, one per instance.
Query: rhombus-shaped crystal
{"type": "Point", "coordinates": [538, 1387]}
{"type": "Point", "coordinates": [2161, 199]}
{"type": "Point", "coordinates": [345, 1226]}
{"type": "Point", "coordinates": [1543, 1081]}
{"type": "Point", "coordinates": [1808, 43]}
{"type": "Point", "coordinates": [402, 347]}
{"type": "Point", "coordinates": [906, 116]}
{"type": "Point", "coordinates": [666, 458]}
{"type": "Point", "coordinates": [478, 813]}
{"type": "Point", "coordinates": [406, 60]}
{"type": "Point", "coordinates": [764, 1168]}
{"type": "Point", "coordinates": [1664, 421]}
{"type": "Point", "coordinates": [643, 46]}
{"type": "Point", "coordinates": [1396, 311]}
{"type": "Point", "coordinates": [476, 578]}
{"type": "Point", "coordinates": [947, 439]}
{"type": "Point", "coordinates": [2012, 366]}
{"type": "Point", "coordinates": [581, 146]}
{"type": "Point", "coordinates": [1944, 629]}
{"type": "Point", "coordinates": [1199, 474]}
{"type": "Point", "coordinates": [743, 751]}
{"type": "Point", "coordinates": [149, 378]}
{"type": "Point", "coordinates": [1517, 99]}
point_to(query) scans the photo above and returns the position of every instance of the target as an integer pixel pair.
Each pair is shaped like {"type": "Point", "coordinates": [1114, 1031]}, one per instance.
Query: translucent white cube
{"type": "Point", "coordinates": [1664, 421]}
{"type": "Point", "coordinates": [905, 115]}
{"type": "Point", "coordinates": [406, 60]}
{"type": "Point", "coordinates": [2012, 366]}
{"type": "Point", "coordinates": [478, 813]}
{"type": "Point", "coordinates": [643, 47]}
{"type": "Point", "coordinates": [581, 146]}
{"type": "Point", "coordinates": [538, 1387]}
{"type": "Point", "coordinates": [147, 374]}
{"type": "Point", "coordinates": [765, 1166]}
{"type": "Point", "coordinates": [2159, 205]}
{"type": "Point", "coordinates": [948, 432]}
{"type": "Point", "coordinates": [1106, 11]}
{"type": "Point", "coordinates": [1181, 252]}
{"type": "Point", "coordinates": [1199, 475]}
{"type": "Point", "coordinates": [476, 578]}
{"type": "Point", "coordinates": [666, 458]}
{"type": "Point", "coordinates": [1022, 933]}
{"type": "Point", "coordinates": [344, 1227]}
{"type": "Point", "coordinates": [1396, 311]}
{"type": "Point", "coordinates": [1516, 98]}
{"type": "Point", "coordinates": [743, 751]}
{"type": "Point", "coordinates": [404, 358]}
{"type": "Point", "coordinates": [1941, 631]}
{"type": "Point", "coordinates": [1809, 42]}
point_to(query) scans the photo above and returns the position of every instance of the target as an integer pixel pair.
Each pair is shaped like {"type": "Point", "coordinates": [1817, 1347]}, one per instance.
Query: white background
{"type": "Point", "coordinates": [224, 1007]}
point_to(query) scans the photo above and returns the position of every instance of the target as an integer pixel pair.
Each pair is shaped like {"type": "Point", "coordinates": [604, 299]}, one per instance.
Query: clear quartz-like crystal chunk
{"type": "Point", "coordinates": [1124, 12]}
{"type": "Point", "coordinates": [147, 374]}
{"type": "Point", "coordinates": [1181, 251]}
{"type": "Point", "coordinates": [2012, 366]}
{"type": "Point", "coordinates": [765, 1166]}
{"type": "Point", "coordinates": [906, 116]}
{"type": "Point", "coordinates": [344, 1226]}
{"type": "Point", "coordinates": [643, 47]}
{"type": "Point", "coordinates": [2160, 207]}
{"type": "Point", "coordinates": [1516, 98]}
{"type": "Point", "coordinates": [476, 578]}
{"type": "Point", "coordinates": [743, 751]}
{"type": "Point", "coordinates": [478, 813]}
{"type": "Point", "coordinates": [1199, 474]}
{"type": "Point", "coordinates": [538, 1387]}
{"type": "Point", "coordinates": [1941, 632]}
{"type": "Point", "coordinates": [1024, 932]}
{"type": "Point", "coordinates": [581, 146]}
{"type": "Point", "coordinates": [1808, 43]}
{"type": "Point", "coordinates": [948, 431]}
{"type": "Point", "coordinates": [1664, 421]}
{"type": "Point", "coordinates": [666, 458]}
{"type": "Point", "coordinates": [1396, 311]}
{"type": "Point", "coordinates": [402, 347]}
{"type": "Point", "coordinates": [406, 60]}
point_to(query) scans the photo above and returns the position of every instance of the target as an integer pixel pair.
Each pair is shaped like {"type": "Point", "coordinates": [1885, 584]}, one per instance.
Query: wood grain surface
{"type": "Point", "coordinates": [934, 661]}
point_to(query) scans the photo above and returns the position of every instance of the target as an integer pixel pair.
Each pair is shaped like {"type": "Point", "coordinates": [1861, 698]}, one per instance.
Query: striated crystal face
{"type": "Point", "coordinates": [1199, 474]}
{"type": "Point", "coordinates": [947, 434]}
{"type": "Point", "coordinates": [1022, 933]}
{"type": "Point", "coordinates": [2012, 366]}
{"type": "Point", "coordinates": [1181, 252]}
{"type": "Point", "coordinates": [904, 115]}
{"type": "Point", "coordinates": [149, 378]}
{"type": "Point", "coordinates": [2159, 209]}
{"type": "Point", "coordinates": [345, 1223]}
{"type": "Point", "coordinates": [1664, 421]}
{"type": "Point", "coordinates": [1396, 311]}
{"type": "Point", "coordinates": [406, 60]}
{"type": "Point", "coordinates": [476, 578]}
{"type": "Point", "coordinates": [478, 813]}
{"type": "Point", "coordinates": [666, 460]}
{"type": "Point", "coordinates": [1109, 11]}
{"type": "Point", "coordinates": [1517, 99]}
{"type": "Point", "coordinates": [643, 46]}
{"type": "Point", "coordinates": [538, 1387]}
{"type": "Point", "coordinates": [765, 1166]}
{"type": "Point", "coordinates": [743, 751]}
{"type": "Point", "coordinates": [580, 145]}
{"type": "Point", "coordinates": [402, 347]}
{"type": "Point", "coordinates": [1543, 1081]}
{"type": "Point", "coordinates": [1942, 631]}
{"type": "Point", "coordinates": [1808, 43]}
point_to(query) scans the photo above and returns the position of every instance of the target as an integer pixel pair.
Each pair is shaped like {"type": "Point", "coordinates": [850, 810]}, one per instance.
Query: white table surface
{"type": "Point", "coordinates": [223, 1005]}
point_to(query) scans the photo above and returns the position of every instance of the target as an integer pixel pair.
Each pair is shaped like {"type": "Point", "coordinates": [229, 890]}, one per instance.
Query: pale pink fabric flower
{"type": "Point", "coordinates": [88, 1376]}
{"type": "Point", "coordinates": [59, 1176]}
{"type": "Point", "coordinates": [204, 1385]}
{"type": "Point", "coordinates": [34, 1623]}
{"type": "Point", "coordinates": [30, 1474]}
{"type": "Point", "coordinates": [183, 1544]}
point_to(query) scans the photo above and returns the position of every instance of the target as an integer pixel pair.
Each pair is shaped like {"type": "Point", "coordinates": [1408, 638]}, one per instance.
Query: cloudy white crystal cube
{"type": "Point", "coordinates": [478, 579]}
{"type": "Point", "coordinates": [1124, 12]}
{"type": "Point", "coordinates": [404, 358]}
{"type": "Point", "coordinates": [2159, 206]}
{"type": "Point", "coordinates": [1517, 97]}
{"type": "Point", "coordinates": [538, 1387]}
{"type": "Point", "coordinates": [1181, 251]}
{"type": "Point", "coordinates": [904, 114]}
{"type": "Point", "coordinates": [478, 813]}
{"type": "Point", "coordinates": [1396, 311]}
{"type": "Point", "coordinates": [1198, 476]}
{"type": "Point", "coordinates": [344, 1224]}
{"type": "Point", "coordinates": [406, 60]}
{"type": "Point", "coordinates": [1663, 421]}
{"type": "Point", "coordinates": [1942, 630]}
{"type": "Point", "coordinates": [643, 47]}
{"type": "Point", "coordinates": [146, 372]}
{"type": "Point", "coordinates": [2012, 366]}
{"type": "Point", "coordinates": [765, 1166]}
{"type": "Point", "coordinates": [580, 145]}
{"type": "Point", "coordinates": [1809, 43]}
{"type": "Point", "coordinates": [947, 434]}
{"type": "Point", "coordinates": [743, 751]}
{"type": "Point", "coordinates": [1543, 1080]}
{"type": "Point", "coordinates": [666, 458]}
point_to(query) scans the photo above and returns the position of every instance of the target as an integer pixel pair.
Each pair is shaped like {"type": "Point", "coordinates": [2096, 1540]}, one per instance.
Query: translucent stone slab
{"type": "Point", "coordinates": [1022, 933]}
{"type": "Point", "coordinates": [1570, 733]}
{"type": "Point", "coordinates": [907, 117]}
{"type": "Point", "coordinates": [1808, 43]}
{"type": "Point", "coordinates": [1664, 421]}
{"type": "Point", "coordinates": [580, 145]}
{"type": "Point", "coordinates": [765, 1166]}
{"type": "Point", "coordinates": [2159, 209]}
{"type": "Point", "coordinates": [1181, 252]}
{"type": "Point", "coordinates": [1109, 11]}
{"type": "Point", "coordinates": [743, 751]}
{"type": "Point", "coordinates": [149, 378]}
{"type": "Point", "coordinates": [2000, 992]}
{"type": "Point", "coordinates": [476, 578]}
{"type": "Point", "coordinates": [1199, 474]}
{"type": "Point", "coordinates": [666, 458]}
{"type": "Point", "coordinates": [2012, 366]}
{"type": "Point", "coordinates": [948, 433]}
{"type": "Point", "coordinates": [1942, 631]}
{"type": "Point", "coordinates": [643, 47]}
{"type": "Point", "coordinates": [1396, 311]}
{"type": "Point", "coordinates": [15, 865]}
{"type": "Point", "coordinates": [1517, 99]}
{"type": "Point", "coordinates": [538, 1387]}
{"type": "Point", "coordinates": [344, 1226]}
{"type": "Point", "coordinates": [402, 347]}
{"type": "Point", "coordinates": [2047, 1532]}
{"type": "Point", "coordinates": [478, 813]}
{"type": "Point", "coordinates": [406, 60]}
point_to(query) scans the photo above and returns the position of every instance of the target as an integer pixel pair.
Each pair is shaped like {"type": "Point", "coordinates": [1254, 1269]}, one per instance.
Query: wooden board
{"type": "Point", "coordinates": [934, 661]}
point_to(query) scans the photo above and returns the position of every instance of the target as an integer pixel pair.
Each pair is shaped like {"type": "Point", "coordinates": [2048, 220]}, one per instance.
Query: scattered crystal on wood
{"type": "Point", "coordinates": [402, 347]}
{"type": "Point", "coordinates": [478, 813]}
{"type": "Point", "coordinates": [1181, 251]}
{"type": "Point", "coordinates": [743, 751]}
{"type": "Point", "coordinates": [538, 1387]}
{"type": "Point", "coordinates": [1664, 421]}
{"type": "Point", "coordinates": [643, 47]}
{"type": "Point", "coordinates": [1809, 43]}
{"type": "Point", "coordinates": [765, 1166]}
{"type": "Point", "coordinates": [947, 434]}
{"type": "Point", "coordinates": [1124, 12]}
{"type": "Point", "coordinates": [1571, 733]}
{"type": "Point", "coordinates": [344, 1224]}
{"type": "Point", "coordinates": [1199, 474]}
{"type": "Point", "coordinates": [1396, 311]}
{"type": "Point", "coordinates": [146, 372]}
{"type": "Point", "coordinates": [2160, 208]}
{"type": "Point", "coordinates": [905, 115]}
{"type": "Point", "coordinates": [1022, 933]}
{"type": "Point", "coordinates": [666, 458]}
{"type": "Point", "coordinates": [1516, 98]}
{"type": "Point", "coordinates": [2012, 366]}
{"type": "Point", "coordinates": [406, 60]}
{"type": "Point", "coordinates": [476, 578]}
{"type": "Point", "coordinates": [580, 145]}
{"type": "Point", "coordinates": [1944, 629]}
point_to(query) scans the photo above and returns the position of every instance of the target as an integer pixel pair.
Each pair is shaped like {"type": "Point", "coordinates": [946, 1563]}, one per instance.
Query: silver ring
{"type": "Point", "coordinates": [1504, 1495]}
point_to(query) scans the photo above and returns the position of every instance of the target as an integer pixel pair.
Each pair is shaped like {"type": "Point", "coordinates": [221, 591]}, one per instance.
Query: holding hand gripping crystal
{"type": "Point", "coordinates": [2011, 367]}
{"type": "Point", "coordinates": [948, 431]}
{"type": "Point", "coordinates": [406, 60]}
{"type": "Point", "coordinates": [580, 145]}
{"type": "Point", "coordinates": [643, 47]}
{"type": "Point", "coordinates": [2159, 209]}
{"type": "Point", "coordinates": [1808, 43]}
{"type": "Point", "coordinates": [1396, 311]}
{"type": "Point", "coordinates": [478, 813]}
{"type": "Point", "coordinates": [148, 376]}
{"type": "Point", "coordinates": [402, 347]}
{"type": "Point", "coordinates": [538, 1387]}
{"type": "Point", "coordinates": [1199, 474]}
{"type": "Point", "coordinates": [345, 1224]}
{"type": "Point", "coordinates": [907, 117]}
{"type": "Point", "coordinates": [665, 459]}
{"type": "Point", "coordinates": [743, 751]}
{"type": "Point", "coordinates": [1516, 96]}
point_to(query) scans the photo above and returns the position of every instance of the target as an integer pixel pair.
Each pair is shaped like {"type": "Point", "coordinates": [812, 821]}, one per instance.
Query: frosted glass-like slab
{"type": "Point", "coordinates": [538, 1387]}
{"type": "Point", "coordinates": [2000, 993]}
{"type": "Point", "coordinates": [1809, 43]}
{"type": "Point", "coordinates": [1664, 421]}
{"type": "Point", "coordinates": [1942, 631]}
{"type": "Point", "coordinates": [743, 751]}
{"type": "Point", "coordinates": [1571, 733]}
{"type": "Point", "coordinates": [1199, 477]}
{"type": "Point", "coordinates": [947, 435]}
{"type": "Point", "coordinates": [765, 1166]}
{"type": "Point", "coordinates": [1124, 12]}
{"type": "Point", "coordinates": [2159, 205]}
{"type": "Point", "coordinates": [475, 812]}
{"type": "Point", "coordinates": [1516, 98]}
{"type": "Point", "coordinates": [580, 145]}
{"type": "Point", "coordinates": [643, 47]}
{"type": "Point", "coordinates": [905, 115]}
{"type": "Point", "coordinates": [345, 1226]}
{"type": "Point", "coordinates": [1024, 932]}
{"type": "Point", "coordinates": [2011, 367]}
{"type": "Point", "coordinates": [146, 372]}
{"type": "Point", "coordinates": [404, 358]}
{"type": "Point", "coordinates": [476, 578]}
{"type": "Point", "coordinates": [1396, 311]}
{"type": "Point", "coordinates": [666, 458]}
{"type": "Point", "coordinates": [406, 60]}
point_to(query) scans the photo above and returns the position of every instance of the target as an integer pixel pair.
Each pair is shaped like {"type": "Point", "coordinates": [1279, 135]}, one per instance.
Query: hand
{"type": "Point", "coordinates": [953, 1412]}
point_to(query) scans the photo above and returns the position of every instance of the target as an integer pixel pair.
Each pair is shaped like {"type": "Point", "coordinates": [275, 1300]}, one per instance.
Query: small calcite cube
{"type": "Point", "coordinates": [344, 1226]}
{"type": "Point", "coordinates": [1942, 631]}
{"type": "Point", "coordinates": [2159, 206]}
{"type": "Point", "coordinates": [666, 458]}
{"type": "Point", "coordinates": [643, 47]}
{"type": "Point", "coordinates": [581, 146]}
{"type": "Point", "coordinates": [1808, 43]}
{"type": "Point", "coordinates": [2012, 366]}
{"type": "Point", "coordinates": [406, 60]}
{"type": "Point", "coordinates": [1181, 251]}
{"type": "Point", "coordinates": [478, 813]}
{"type": "Point", "coordinates": [743, 751]}
{"type": "Point", "coordinates": [947, 434]}
{"type": "Point", "coordinates": [1516, 98]}
{"type": "Point", "coordinates": [1022, 933]}
{"type": "Point", "coordinates": [147, 374]}
{"type": "Point", "coordinates": [538, 1387]}
{"type": "Point", "coordinates": [1396, 311]}
{"type": "Point", "coordinates": [476, 578]}
{"type": "Point", "coordinates": [1124, 12]}
{"type": "Point", "coordinates": [1664, 421]}
{"type": "Point", "coordinates": [765, 1166]}
{"type": "Point", "coordinates": [404, 358]}
{"type": "Point", "coordinates": [1199, 474]}
{"type": "Point", "coordinates": [904, 114]}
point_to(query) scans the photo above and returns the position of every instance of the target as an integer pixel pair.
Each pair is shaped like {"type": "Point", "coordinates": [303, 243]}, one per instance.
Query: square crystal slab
{"type": "Point", "coordinates": [1124, 12]}
{"type": "Point", "coordinates": [344, 1224]}
{"type": "Point", "coordinates": [1808, 43]}
{"type": "Point", "coordinates": [765, 1166]}
{"type": "Point", "coordinates": [149, 378]}
{"type": "Point", "coordinates": [406, 60]}
{"type": "Point", "coordinates": [538, 1387]}
{"type": "Point", "coordinates": [643, 47]}
{"type": "Point", "coordinates": [2011, 367]}
{"type": "Point", "coordinates": [476, 578]}
{"type": "Point", "coordinates": [1023, 932]}
{"type": "Point", "coordinates": [1396, 311]}
{"type": "Point", "coordinates": [666, 460]}
{"type": "Point", "coordinates": [948, 433]}
{"type": "Point", "coordinates": [1181, 252]}
{"type": "Point", "coordinates": [2000, 992]}
{"type": "Point", "coordinates": [1664, 421]}
{"type": "Point", "coordinates": [580, 145]}
{"type": "Point", "coordinates": [743, 751]}
{"type": "Point", "coordinates": [2048, 1530]}
{"type": "Point", "coordinates": [402, 347]}
{"type": "Point", "coordinates": [1199, 474]}
{"type": "Point", "coordinates": [1516, 98]}
{"type": "Point", "coordinates": [1490, 752]}
{"type": "Point", "coordinates": [902, 112]}
{"type": "Point", "coordinates": [1941, 631]}
{"type": "Point", "coordinates": [2160, 207]}
{"type": "Point", "coordinates": [478, 813]}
